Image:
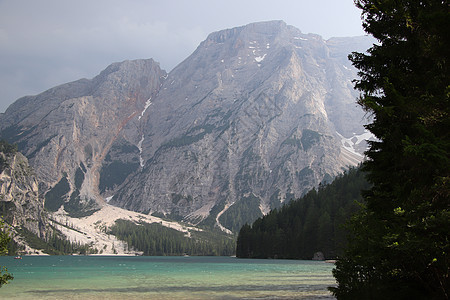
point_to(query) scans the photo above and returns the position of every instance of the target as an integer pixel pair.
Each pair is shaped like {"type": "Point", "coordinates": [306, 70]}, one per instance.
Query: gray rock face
{"type": "Point", "coordinates": [67, 132]}
{"type": "Point", "coordinates": [255, 116]}
{"type": "Point", "coordinates": [21, 205]}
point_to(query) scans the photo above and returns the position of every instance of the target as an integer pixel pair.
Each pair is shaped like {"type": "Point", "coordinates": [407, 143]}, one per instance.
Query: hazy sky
{"type": "Point", "coordinates": [49, 42]}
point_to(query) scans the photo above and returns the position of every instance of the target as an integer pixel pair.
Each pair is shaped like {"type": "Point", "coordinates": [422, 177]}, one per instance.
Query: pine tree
{"type": "Point", "coordinates": [5, 237]}
{"type": "Point", "coordinates": [307, 225]}
{"type": "Point", "coordinates": [399, 247]}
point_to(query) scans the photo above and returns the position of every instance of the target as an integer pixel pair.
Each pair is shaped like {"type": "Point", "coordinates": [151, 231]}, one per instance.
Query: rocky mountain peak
{"type": "Point", "coordinates": [67, 131]}
{"type": "Point", "coordinates": [257, 115]}
{"type": "Point", "coordinates": [269, 30]}
{"type": "Point", "coordinates": [135, 77]}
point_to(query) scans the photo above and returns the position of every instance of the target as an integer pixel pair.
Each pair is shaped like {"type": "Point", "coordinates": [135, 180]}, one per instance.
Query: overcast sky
{"type": "Point", "coordinates": [49, 42]}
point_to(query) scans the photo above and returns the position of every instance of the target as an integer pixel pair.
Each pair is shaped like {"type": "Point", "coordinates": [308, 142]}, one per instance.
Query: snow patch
{"type": "Point", "coordinates": [147, 104]}
{"type": "Point", "coordinates": [226, 230]}
{"type": "Point", "coordinates": [139, 145]}
{"type": "Point", "coordinates": [264, 208]}
{"type": "Point", "coordinates": [299, 38]}
{"type": "Point", "coordinates": [107, 199]}
{"type": "Point", "coordinates": [260, 58]}
{"type": "Point", "coordinates": [351, 143]}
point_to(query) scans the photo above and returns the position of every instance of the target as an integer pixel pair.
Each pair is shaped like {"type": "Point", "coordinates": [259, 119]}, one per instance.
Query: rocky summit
{"type": "Point", "coordinates": [257, 115]}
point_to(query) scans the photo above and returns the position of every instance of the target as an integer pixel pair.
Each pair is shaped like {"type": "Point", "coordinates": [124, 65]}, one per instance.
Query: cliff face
{"type": "Point", "coordinates": [255, 116]}
{"type": "Point", "coordinates": [21, 205]}
{"type": "Point", "coordinates": [66, 132]}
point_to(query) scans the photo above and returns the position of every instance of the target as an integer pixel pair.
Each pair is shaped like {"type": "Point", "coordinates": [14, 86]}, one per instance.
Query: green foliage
{"type": "Point", "coordinates": [79, 178]}
{"type": "Point", "coordinates": [115, 173]}
{"type": "Point", "coordinates": [14, 135]}
{"type": "Point", "coordinates": [56, 196]}
{"type": "Point", "coordinates": [155, 239]}
{"type": "Point", "coordinates": [399, 244]}
{"type": "Point", "coordinates": [210, 221]}
{"type": "Point", "coordinates": [55, 244]}
{"type": "Point", "coordinates": [76, 208]}
{"type": "Point", "coordinates": [309, 138]}
{"type": "Point", "coordinates": [14, 248]}
{"type": "Point", "coordinates": [40, 146]}
{"type": "Point", "coordinates": [6, 150]}
{"type": "Point", "coordinates": [292, 141]}
{"type": "Point", "coordinates": [59, 246]}
{"type": "Point", "coordinates": [176, 198]}
{"type": "Point", "coordinates": [240, 212]}
{"type": "Point", "coordinates": [305, 172]}
{"type": "Point", "coordinates": [307, 225]}
{"type": "Point", "coordinates": [88, 151]}
{"type": "Point", "coordinates": [5, 238]}
{"type": "Point", "coordinates": [192, 136]}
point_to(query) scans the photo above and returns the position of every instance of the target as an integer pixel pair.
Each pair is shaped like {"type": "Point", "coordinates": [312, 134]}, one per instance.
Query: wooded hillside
{"type": "Point", "coordinates": [307, 225]}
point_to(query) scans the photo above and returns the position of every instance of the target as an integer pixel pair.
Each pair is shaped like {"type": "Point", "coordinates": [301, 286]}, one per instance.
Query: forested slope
{"type": "Point", "coordinates": [155, 239]}
{"type": "Point", "coordinates": [307, 225]}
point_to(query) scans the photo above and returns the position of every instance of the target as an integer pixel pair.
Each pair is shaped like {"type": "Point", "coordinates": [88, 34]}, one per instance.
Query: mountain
{"type": "Point", "coordinates": [257, 115]}
{"type": "Point", "coordinates": [69, 131]}
{"type": "Point", "coordinates": [20, 204]}
{"type": "Point", "coordinates": [35, 231]}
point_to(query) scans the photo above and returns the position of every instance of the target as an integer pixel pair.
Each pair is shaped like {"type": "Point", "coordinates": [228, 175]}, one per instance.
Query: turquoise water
{"type": "Point", "coordinates": [121, 277]}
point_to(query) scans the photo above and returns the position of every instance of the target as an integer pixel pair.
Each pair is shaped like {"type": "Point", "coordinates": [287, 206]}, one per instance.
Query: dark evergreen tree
{"type": "Point", "coordinates": [399, 243]}
{"type": "Point", "coordinates": [5, 237]}
{"type": "Point", "coordinates": [156, 239]}
{"type": "Point", "coordinates": [307, 225]}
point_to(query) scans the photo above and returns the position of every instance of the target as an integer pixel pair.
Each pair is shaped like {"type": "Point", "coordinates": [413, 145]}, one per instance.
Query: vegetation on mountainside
{"type": "Point", "coordinates": [5, 237]}
{"type": "Point", "coordinates": [75, 207]}
{"type": "Point", "coordinates": [244, 209]}
{"type": "Point", "coordinates": [399, 243]}
{"type": "Point", "coordinates": [307, 225]}
{"type": "Point", "coordinates": [55, 244]}
{"type": "Point", "coordinates": [55, 197]}
{"type": "Point", "coordinates": [155, 239]}
{"type": "Point", "coordinates": [6, 150]}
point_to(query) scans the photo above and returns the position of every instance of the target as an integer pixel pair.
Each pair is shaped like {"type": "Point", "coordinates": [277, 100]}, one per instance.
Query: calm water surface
{"type": "Point", "coordinates": [119, 277]}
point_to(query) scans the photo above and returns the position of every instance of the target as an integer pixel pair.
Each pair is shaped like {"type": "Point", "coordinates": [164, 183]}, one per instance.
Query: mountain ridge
{"type": "Point", "coordinates": [256, 114]}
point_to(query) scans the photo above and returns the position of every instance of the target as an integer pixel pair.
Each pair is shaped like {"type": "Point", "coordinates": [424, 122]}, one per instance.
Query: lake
{"type": "Point", "coordinates": [150, 277]}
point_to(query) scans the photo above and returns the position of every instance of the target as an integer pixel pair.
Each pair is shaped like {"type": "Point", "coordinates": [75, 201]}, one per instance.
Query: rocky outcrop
{"type": "Point", "coordinates": [20, 204]}
{"type": "Point", "coordinates": [68, 131]}
{"type": "Point", "coordinates": [255, 116]}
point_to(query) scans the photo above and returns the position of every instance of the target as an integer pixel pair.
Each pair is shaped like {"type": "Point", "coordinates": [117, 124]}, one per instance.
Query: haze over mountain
{"type": "Point", "coordinates": [257, 115]}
